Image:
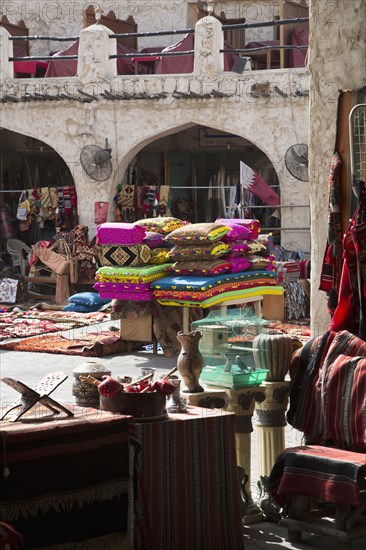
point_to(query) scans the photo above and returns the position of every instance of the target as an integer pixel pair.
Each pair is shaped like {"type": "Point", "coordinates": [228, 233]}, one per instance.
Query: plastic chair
{"type": "Point", "coordinates": [16, 249]}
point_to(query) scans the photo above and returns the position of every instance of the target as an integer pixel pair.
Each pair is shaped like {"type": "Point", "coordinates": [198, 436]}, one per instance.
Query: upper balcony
{"type": "Point", "coordinates": [207, 60]}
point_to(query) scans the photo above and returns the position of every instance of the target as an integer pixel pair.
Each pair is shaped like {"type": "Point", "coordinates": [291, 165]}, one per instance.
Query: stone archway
{"type": "Point", "coordinates": [193, 146]}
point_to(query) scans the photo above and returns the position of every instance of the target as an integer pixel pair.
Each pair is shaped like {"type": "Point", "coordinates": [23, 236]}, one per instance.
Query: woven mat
{"type": "Point", "coordinates": [94, 344]}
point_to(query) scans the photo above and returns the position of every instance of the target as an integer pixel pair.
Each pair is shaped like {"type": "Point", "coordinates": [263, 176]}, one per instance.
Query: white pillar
{"type": "Point", "coordinates": [6, 51]}
{"type": "Point", "coordinates": [95, 47]}
{"type": "Point", "coordinates": [209, 40]}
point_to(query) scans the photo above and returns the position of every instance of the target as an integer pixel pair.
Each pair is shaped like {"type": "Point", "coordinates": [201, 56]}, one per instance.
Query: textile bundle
{"type": "Point", "coordinates": [206, 291]}
{"type": "Point", "coordinates": [216, 262]}
{"type": "Point", "coordinates": [328, 392]}
{"type": "Point", "coordinates": [305, 471]}
{"type": "Point", "coordinates": [128, 283]}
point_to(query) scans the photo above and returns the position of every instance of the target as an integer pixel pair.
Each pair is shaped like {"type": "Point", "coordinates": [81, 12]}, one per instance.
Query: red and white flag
{"type": "Point", "coordinates": [253, 182]}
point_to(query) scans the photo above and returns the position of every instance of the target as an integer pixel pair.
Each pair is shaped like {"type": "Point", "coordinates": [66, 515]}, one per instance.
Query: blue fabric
{"type": "Point", "coordinates": [88, 299]}
{"type": "Point", "coordinates": [205, 282]}
{"type": "Point", "coordinates": [80, 308]}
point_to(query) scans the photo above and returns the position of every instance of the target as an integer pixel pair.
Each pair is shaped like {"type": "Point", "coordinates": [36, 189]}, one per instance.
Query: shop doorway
{"type": "Point", "coordinates": [32, 171]}
{"type": "Point", "coordinates": [198, 172]}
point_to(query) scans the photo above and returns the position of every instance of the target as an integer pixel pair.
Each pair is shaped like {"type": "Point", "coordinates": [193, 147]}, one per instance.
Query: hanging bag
{"type": "Point", "coordinates": [58, 258]}
{"type": "Point", "coordinates": [23, 207]}
{"type": "Point", "coordinates": [100, 212]}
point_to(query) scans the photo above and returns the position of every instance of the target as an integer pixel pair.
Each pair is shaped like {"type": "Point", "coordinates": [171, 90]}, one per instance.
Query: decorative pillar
{"type": "Point", "coordinates": [242, 403]}
{"type": "Point", "coordinates": [6, 51]}
{"type": "Point", "coordinates": [208, 41]}
{"type": "Point", "coordinates": [95, 47]}
{"type": "Point", "coordinates": [271, 414]}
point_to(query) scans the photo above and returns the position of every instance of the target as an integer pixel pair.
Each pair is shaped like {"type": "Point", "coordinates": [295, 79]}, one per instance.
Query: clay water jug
{"type": "Point", "coordinates": [190, 361]}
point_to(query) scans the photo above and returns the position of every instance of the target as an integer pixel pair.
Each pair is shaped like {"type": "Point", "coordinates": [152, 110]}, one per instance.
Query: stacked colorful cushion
{"type": "Point", "coordinates": [200, 291]}
{"type": "Point", "coordinates": [244, 243]}
{"type": "Point", "coordinates": [197, 249]}
{"type": "Point", "coordinates": [121, 244]}
{"type": "Point", "coordinates": [129, 283]}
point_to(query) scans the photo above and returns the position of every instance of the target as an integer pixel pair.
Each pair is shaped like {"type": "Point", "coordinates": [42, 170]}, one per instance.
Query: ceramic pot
{"type": "Point", "coordinates": [274, 353]}
{"type": "Point", "coordinates": [190, 361]}
{"type": "Point", "coordinates": [87, 395]}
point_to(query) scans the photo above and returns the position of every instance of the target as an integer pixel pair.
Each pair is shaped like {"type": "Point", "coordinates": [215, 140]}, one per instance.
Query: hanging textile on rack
{"type": "Point", "coordinates": [350, 313]}
{"type": "Point", "coordinates": [332, 263]}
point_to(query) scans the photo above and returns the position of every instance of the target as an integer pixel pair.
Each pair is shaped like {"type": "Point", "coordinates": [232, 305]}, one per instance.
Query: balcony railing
{"type": "Point", "coordinates": [261, 51]}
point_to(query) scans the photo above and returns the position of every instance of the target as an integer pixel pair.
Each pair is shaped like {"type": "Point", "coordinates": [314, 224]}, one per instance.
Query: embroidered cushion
{"type": "Point", "coordinates": [252, 225]}
{"type": "Point", "coordinates": [237, 249]}
{"type": "Point", "coordinates": [198, 233]}
{"type": "Point", "coordinates": [203, 267]}
{"type": "Point", "coordinates": [237, 233]}
{"type": "Point", "coordinates": [159, 256]}
{"type": "Point", "coordinates": [256, 247]}
{"type": "Point", "coordinates": [134, 255]}
{"type": "Point", "coordinates": [153, 239]}
{"type": "Point", "coordinates": [143, 274]}
{"type": "Point", "coordinates": [238, 264]}
{"type": "Point", "coordinates": [259, 262]}
{"type": "Point", "coordinates": [160, 225]}
{"type": "Point", "coordinates": [120, 233]}
{"type": "Point", "coordinates": [198, 252]}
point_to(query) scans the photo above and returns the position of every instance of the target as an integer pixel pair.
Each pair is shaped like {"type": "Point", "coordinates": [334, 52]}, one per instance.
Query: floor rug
{"type": "Point", "coordinates": [94, 344]}
{"type": "Point", "coordinates": [31, 323]}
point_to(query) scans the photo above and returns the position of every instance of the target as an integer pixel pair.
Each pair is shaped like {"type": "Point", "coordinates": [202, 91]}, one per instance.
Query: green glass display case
{"type": "Point", "coordinates": [227, 348]}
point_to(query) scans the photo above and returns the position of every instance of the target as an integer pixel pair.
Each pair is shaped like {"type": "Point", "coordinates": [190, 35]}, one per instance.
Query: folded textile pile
{"type": "Point", "coordinates": [197, 249]}
{"type": "Point", "coordinates": [121, 244]}
{"type": "Point", "coordinates": [200, 291]}
{"type": "Point", "coordinates": [129, 283]}
{"type": "Point", "coordinates": [215, 262]}
{"type": "Point", "coordinates": [132, 256]}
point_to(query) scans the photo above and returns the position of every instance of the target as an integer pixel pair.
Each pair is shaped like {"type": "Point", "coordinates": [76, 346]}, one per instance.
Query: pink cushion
{"type": "Point", "coordinates": [252, 225]}
{"type": "Point", "coordinates": [237, 233]}
{"type": "Point", "coordinates": [238, 264]}
{"type": "Point", "coordinates": [120, 233]}
{"type": "Point", "coordinates": [237, 249]}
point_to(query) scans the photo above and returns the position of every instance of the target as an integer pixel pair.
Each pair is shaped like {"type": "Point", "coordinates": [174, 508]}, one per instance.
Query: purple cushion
{"type": "Point", "coordinates": [237, 233]}
{"type": "Point", "coordinates": [237, 249]}
{"type": "Point", "coordinates": [252, 225]}
{"type": "Point", "coordinates": [120, 233]}
{"type": "Point", "coordinates": [238, 264]}
{"type": "Point", "coordinates": [154, 240]}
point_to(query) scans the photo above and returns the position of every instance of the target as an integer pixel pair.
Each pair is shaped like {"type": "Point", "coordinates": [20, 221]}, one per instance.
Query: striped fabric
{"type": "Point", "coordinates": [328, 392]}
{"type": "Point", "coordinates": [327, 474]}
{"type": "Point", "coordinates": [187, 494]}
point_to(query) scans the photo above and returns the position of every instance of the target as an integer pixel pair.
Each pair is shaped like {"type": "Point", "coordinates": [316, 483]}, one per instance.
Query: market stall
{"type": "Point", "coordinates": [168, 270]}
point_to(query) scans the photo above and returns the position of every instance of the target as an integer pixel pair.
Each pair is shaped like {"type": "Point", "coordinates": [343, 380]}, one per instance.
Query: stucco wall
{"type": "Point", "coordinates": [337, 61]}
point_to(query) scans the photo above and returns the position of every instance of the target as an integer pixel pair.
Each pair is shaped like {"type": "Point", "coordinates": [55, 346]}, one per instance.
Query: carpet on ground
{"type": "Point", "coordinates": [94, 344]}
{"type": "Point", "coordinates": [22, 324]}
